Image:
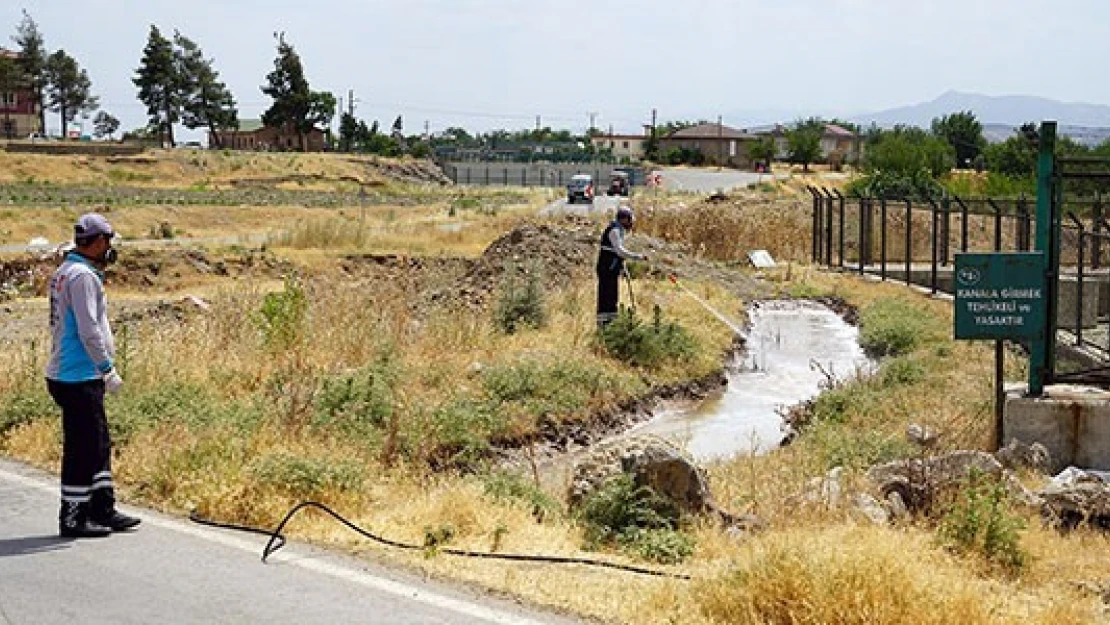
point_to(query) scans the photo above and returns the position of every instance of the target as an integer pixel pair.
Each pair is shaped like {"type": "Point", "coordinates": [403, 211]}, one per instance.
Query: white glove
{"type": "Point", "coordinates": [112, 382]}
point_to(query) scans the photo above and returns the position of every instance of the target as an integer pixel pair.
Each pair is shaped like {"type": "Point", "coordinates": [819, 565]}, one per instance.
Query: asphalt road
{"type": "Point", "coordinates": [708, 181]}
{"type": "Point", "coordinates": [175, 573]}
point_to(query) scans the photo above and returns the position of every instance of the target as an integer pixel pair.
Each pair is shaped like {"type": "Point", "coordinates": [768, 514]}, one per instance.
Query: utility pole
{"type": "Point", "coordinates": [427, 133]}
{"type": "Point", "coordinates": [590, 130]}
{"type": "Point", "coordinates": [351, 102]}
{"type": "Point", "coordinates": [720, 143]}
{"type": "Point", "coordinates": [537, 123]}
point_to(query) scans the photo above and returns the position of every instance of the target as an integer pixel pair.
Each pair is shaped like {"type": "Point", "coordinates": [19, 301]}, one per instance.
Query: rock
{"type": "Point", "coordinates": [195, 303]}
{"type": "Point", "coordinates": [872, 508]}
{"type": "Point", "coordinates": [1017, 455]}
{"type": "Point", "coordinates": [922, 435]}
{"type": "Point", "coordinates": [922, 482]}
{"type": "Point", "coordinates": [652, 462]}
{"type": "Point", "coordinates": [1085, 501]}
{"type": "Point", "coordinates": [825, 490]}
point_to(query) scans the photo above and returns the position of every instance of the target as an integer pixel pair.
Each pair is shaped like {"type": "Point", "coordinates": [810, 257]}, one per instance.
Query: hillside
{"type": "Point", "coordinates": [214, 169]}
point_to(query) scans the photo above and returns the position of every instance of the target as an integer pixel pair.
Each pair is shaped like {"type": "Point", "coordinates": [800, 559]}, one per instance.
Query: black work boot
{"type": "Point", "coordinates": [74, 522]}
{"type": "Point", "coordinates": [102, 510]}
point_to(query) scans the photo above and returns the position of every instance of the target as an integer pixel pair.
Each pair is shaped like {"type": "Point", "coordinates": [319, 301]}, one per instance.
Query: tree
{"type": "Point", "coordinates": [964, 133]}
{"type": "Point", "coordinates": [295, 106]}
{"type": "Point", "coordinates": [160, 85]}
{"type": "Point", "coordinates": [11, 79]}
{"type": "Point", "coordinates": [348, 126]}
{"type": "Point", "coordinates": [105, 125]}
{"type": "Point", "coordinates": [67, 88]}
{"type": "Point", "coordinates": [764, 150]}
{"type": "Point", "coordinates": [905, 162]}
{"type": "Point", "coordinates": [398, 127]}
{"type": "Point", "coordinates": [205, 99]}
{"type": "Point", "coordinates": [804, 141]}
{"type": "Point", "coordinates": [32, 56]}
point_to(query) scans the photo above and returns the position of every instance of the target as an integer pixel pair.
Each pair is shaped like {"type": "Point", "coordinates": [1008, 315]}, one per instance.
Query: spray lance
{"type": "Point", "coordinates": [716, 313]}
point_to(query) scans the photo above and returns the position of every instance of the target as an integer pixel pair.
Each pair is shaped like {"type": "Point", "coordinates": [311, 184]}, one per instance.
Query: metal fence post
{"type": "Point", "coordinates": [946, 206]}
{"type": "Point", "coordinates": [840, 198]}
{"type": "Point", "coordinates": [963, 223]}
{"type": "Point", "coordinates": [882, 238]}
{"type": "Point", "coordinates": [1096, 247]}
{"type": "Point", "coordinates": [1041, 356]}
{"type": "Point", "coordinates": [861, 238]}
{"type": "Point", "coordinates": [934, 230]}
{"type": "Point", "coordinates": [828, 226]}
{"type": "Point", "coordinates": [816, 243]}
{"type": "Point", "coordinates": [997, 224]}
{"type": "Point", "coordinates": [1079, 279]}
{"type": "Point", "coordinates": [909, 241]}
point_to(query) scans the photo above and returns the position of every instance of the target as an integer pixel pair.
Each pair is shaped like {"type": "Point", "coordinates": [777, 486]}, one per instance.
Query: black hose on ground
{"type": "Point", "coordinates": [277, 541]}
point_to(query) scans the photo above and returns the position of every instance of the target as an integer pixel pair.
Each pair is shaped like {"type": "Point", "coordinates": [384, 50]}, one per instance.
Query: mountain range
{"type": "Point", "coordinates": [1001, 115]}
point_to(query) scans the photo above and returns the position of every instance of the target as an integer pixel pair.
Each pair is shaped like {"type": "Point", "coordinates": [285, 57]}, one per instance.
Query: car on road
{"type": "Point", "coordinates": [581, 186]}
{"type": "Point", "coordinates": [618, 183]}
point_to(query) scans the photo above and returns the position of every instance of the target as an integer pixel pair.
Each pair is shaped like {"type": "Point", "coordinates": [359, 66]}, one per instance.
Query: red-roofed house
{"type": "Point", "coordinates": [719, 144]}
{"type": "Point", "coordinates": [19, 110]}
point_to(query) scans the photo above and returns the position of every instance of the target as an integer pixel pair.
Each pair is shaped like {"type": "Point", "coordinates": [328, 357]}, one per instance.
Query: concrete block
{"type": "Point", "coordinates": [1072, 422]}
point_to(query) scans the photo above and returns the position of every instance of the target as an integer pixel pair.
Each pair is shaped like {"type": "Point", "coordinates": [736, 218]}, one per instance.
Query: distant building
{"type": "Point", "coordinates": [19, 109]}
{"type": "Point", "coordinates": [252, 134]}
{"type": "Point", "coordinates": [838, 144]}
{"type": "Point", "coordinates": [719, 144]}
{"type": "Point", "coordinates": [631, 147]}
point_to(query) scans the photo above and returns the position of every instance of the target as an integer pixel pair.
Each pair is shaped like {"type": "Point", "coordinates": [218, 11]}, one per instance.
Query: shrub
{"type": "Point", "coordinates": [180, 403]}
{"type": "Point", "coordinates": [636, 519]}
{"type": "Point", "coordinates": [892, 327]}
{"type": "Point", "coordinates": [518, 307]}
{"type": "Point", "coordinates": [25, 407]}
{"type": "Point", "coordinates": [306, 477]}
{"type": "Point", "coordinates": [506, 487]}
{"type": "Point", "coordinates": [463, 429]}
{"type": "Point", "coordinates": [283, 316]}
{"type": "Point", "coordinates": [629, 339]}
{"type": "Point", "coordinates": [982, 521]}
{"type": "Point", "coordinates": [358, 401]}
{"type": "Point", "coordinates": [902, 371]}
{"type": "Point", "coordinates": [544, 388]}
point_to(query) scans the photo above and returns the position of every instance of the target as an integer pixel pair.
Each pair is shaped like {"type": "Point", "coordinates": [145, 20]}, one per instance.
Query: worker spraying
{"type": "Point", "coordinates": [610, 265]}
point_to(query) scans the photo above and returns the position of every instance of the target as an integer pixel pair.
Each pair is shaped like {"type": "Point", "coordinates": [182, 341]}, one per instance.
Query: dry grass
{"type": "Point", "coordinates": [216, 420]}
{"type": "Point", "coordinates": [183, 168]}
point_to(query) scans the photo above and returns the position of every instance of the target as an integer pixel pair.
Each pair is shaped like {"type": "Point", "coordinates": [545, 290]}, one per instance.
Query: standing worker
{"type": "Point", "coordinates": [80, 371]}
{"type": "Point", "coordinates": [610, 265]}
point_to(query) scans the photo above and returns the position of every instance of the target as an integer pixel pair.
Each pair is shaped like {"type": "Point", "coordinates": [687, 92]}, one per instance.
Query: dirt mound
{"type": "Point", "coordinates": [556, 255]}
{"type": "Point", "coordinates": [25, 277]}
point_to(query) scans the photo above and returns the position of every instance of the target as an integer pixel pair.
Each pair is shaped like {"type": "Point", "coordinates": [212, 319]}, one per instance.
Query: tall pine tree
{"type": "Point", "coordinates": [160, 85]}
{"type": "Point", "coordinates": [206, 100]}
{"type": "Point", "coordinates": [32, 57]}
{"type": "Point", "coordinates": [296, 107]}
{"type": "Point", "coordinates": [68, 88]}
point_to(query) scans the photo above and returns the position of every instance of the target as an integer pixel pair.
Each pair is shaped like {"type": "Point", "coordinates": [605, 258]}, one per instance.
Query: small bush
{"type": "Point", "coordinates": [463, 430]}
{"type": "Point", "coordinates": [506, 487]}
{"type": "Point", "coordinates": [359, 401]}
{"type": "Point", "coordinates": [636, 519]}
{"type": "Point", "coordinates": [902, 371]}
{"type": "Point", "coordinates": [306, 477]}
{"type": "Point", "coordinates": [858, 448]}
{"type": "Point", "coordinates": [629, 339]}
{"type": "Point", "coordinates": [893, 327]}
{"type": "Point", "coordinates": [180, 403]}
{"type": "Point", "coordinates": [982, 521]}
{"type": "Point", "coordinates": [660, 545]}
{"type": "Point", "coordinates": [547, 388]}
{"type": "Point", "coordinates": [283, 316]}
{"type": "Point", "coordinates": [25, 407]}
{"type": "Point", "coordinates": [519, 308]}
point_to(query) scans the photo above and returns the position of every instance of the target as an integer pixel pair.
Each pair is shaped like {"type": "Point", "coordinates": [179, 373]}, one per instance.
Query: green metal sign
{"type": "Point", "coordinates": [1000, 296]}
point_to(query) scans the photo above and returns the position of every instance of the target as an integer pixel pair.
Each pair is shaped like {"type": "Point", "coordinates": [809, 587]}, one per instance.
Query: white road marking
{"type": "Point", "coordinates": [358, 577]}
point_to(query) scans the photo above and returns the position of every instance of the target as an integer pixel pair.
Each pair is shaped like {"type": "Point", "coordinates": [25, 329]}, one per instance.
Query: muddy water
{"type": "Point", "coordinates": [789, 344]}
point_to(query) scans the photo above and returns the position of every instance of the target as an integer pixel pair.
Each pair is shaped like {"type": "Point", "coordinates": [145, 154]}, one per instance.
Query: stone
{"type": "Point", "coordinates": [872, 509]}
{"type": "Point", "coordinates": [651, 461]}
{"type": "Point", "coordinates": [1083, 501]}
{"type": "Point", "coordinates": [922, 435]}
{"type": "Point", "coordinates": [825, 490]}
{"type": "Point", "coordinates": [1018, 456]}
{"type": "Point", "coordinates": [922, 482]}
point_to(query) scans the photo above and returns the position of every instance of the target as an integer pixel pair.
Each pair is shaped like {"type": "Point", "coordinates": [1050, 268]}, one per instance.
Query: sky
{"type": "Point", "coordinates": [486, 64]}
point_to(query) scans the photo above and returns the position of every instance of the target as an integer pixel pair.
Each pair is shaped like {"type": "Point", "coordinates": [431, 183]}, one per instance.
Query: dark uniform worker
{"type": "Point", "coordinates": [610, 265]}
{"type": "Point", "coordinates": [80, 370]}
